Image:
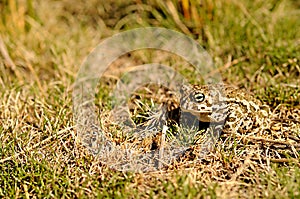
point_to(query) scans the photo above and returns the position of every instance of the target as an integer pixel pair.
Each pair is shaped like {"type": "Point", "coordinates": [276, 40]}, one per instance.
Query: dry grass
{"type": "Point", "coordinates": [255, 45]}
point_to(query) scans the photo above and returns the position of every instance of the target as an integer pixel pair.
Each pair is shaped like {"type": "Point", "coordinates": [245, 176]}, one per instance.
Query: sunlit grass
{"type": "Point", "coordinates": [255, 45]}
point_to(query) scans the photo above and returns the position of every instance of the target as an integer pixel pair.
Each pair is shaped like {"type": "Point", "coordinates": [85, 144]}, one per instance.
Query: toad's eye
{"type": "Point", "coordinates": [199, 97]}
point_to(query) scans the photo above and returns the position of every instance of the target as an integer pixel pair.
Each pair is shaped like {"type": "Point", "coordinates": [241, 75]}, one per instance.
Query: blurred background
{"type": "Point", "coordinates": [255, 44]}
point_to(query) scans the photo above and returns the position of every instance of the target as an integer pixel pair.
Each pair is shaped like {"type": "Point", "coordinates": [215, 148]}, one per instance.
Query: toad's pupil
{"type": "Point", "coordinates": [199, 97]}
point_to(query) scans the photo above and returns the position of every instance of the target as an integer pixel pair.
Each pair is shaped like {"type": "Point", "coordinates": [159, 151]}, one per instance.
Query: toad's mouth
{"type": "Point", "coordinates": [203, 116]}
{"type": "Point", "coordinates": [215, 113]}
